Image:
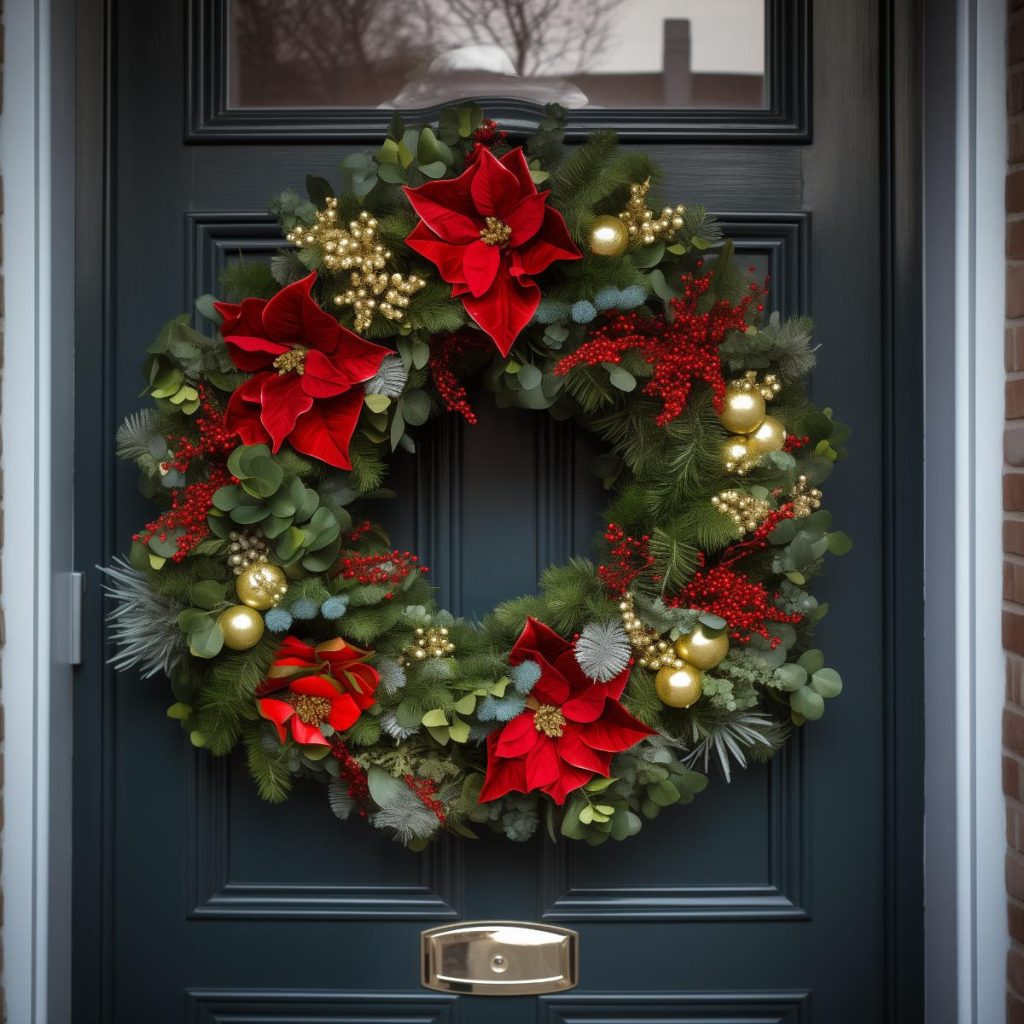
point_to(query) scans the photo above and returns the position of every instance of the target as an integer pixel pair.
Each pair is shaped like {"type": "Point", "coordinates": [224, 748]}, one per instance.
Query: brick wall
{"type": "Point", "coordinates": [1013, 517]}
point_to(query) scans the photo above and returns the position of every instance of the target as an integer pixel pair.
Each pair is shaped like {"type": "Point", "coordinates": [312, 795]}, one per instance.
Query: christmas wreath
{"type": "Point", "coordinates": [272, 599]}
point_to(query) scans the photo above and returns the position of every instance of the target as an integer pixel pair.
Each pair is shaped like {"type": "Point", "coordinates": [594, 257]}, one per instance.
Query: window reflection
{"type": "Point", "coordinates": [690, 54]}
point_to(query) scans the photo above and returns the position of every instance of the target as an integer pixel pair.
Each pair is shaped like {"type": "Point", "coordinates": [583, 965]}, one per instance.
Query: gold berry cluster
{"type": "Point", "coordinates": [432, 642]}
{"type": "Point", "coordinates": [805, 499]}
{"type": "Point", "coordinates": [652, 652]}
{"type": "Point", "coordinates": [643, 227]}
{"type": "Point", "coordinates": [356, 249]}
{"type": "Point", "coordinates": [245, 549]}
{"type": "Point", "coordinates": [767, 388]}
{"type": "Point", "coordinates": [746, 511]}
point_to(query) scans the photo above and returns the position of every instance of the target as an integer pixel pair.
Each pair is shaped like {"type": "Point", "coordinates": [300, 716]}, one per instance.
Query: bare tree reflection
{"type": "Point", "coordinates": [359, 52]}
{"type": "Point", "coordinates": [541, 37]}
{"type": "Point", "coordinates": [334, 52]}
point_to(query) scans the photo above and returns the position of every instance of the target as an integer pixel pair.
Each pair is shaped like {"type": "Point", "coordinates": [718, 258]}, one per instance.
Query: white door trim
{"type": "Point", "coordinates": [36, 157]}
{"type": "Point", "coordinates": [964, 302]}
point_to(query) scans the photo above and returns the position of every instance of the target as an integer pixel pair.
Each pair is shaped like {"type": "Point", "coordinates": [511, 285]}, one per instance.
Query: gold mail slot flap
{"type": "Point", "coordinates": [500, 958]}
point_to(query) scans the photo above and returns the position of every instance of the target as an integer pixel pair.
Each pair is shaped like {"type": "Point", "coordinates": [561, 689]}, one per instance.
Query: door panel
{"type": "Point", "coordinates": [762, 899]}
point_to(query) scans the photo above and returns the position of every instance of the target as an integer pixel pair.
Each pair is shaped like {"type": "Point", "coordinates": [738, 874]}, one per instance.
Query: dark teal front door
{"type": "Point", "coordinates": [790, 895]}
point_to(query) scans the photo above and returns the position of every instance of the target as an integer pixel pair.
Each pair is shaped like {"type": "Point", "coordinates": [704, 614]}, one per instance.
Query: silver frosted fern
{"type": "Point", "coordinates": [602, 650]}
{"type": "Point", "coordinates": [143, 625]}
{"type": "Point", "coordinates": [390, 379]}
{"type": "Point", "coordinates": [729, 739]}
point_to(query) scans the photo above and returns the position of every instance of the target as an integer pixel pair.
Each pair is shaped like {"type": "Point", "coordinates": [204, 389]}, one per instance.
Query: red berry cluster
{"type": "Point", "coordinates": [190, 505]}
{"type": "Point", "coordinates": [792, 442]}
{"type": "Point", "coordinates": [681, 351]}
{"type": "Point", "coordinates": [758, 540]}
{"type": "Point", "coordinates": [745, 605]}
{"type": "Point", "coordinates": [352, 772]}
{"type": "Point", "coordinates": [443, 352]}
{"type": "Point", "coordinates": [487, 136]}
{"type": "Point", "coordinates": [387, 567]}
{"type": "Point", "coordinates": [358, 532]}
{"type": "Point", "coordinates": [214, 439]}
{"type": "Point", "coordinates": [628, 557]}
{"type": "Point", "coordinates": [426, 790]}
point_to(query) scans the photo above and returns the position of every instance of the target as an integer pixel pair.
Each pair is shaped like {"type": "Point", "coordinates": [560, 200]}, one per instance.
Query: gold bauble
{"type": "Point", "coordinates": [769, 437]}
{"type": "Point", "coordinates": [261, 586]}
{"type": "Point", "coordinates": [742, 411]}
{"type": "Point", "coordinates": [608, 236]}
{"type": "Point", "coordinates": [678, 687]}
{"type": "Point", "coordinates": [242, 627]}
{"type": "Point", "coordinates": [737, 454]}
{"type": "Point", "coordinates": [703, 650]}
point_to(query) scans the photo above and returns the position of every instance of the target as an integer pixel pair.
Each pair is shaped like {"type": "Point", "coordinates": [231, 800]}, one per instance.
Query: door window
{"type": "Point", "coordinates": [682, 54]}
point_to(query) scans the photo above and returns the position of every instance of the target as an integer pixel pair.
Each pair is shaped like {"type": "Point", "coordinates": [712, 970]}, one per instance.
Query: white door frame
{"type": "Point", "coordinates": [964, 303]}
{"type": "Point", "coordinates": [963, 190]}
{"type": "Point", "coordinates": [37, 161]}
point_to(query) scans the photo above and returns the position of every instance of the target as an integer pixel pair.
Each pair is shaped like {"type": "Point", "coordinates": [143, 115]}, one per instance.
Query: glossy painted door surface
{"type": "Point", "coordinates": [773, 899]}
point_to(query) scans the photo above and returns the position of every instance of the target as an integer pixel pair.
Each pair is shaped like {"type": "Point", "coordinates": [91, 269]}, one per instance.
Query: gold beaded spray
{"type": "Point", "coordinates": [640, 222]}
{"type": "Point", "coordinates": [805, 499]}
{"type": "Point", "coordinates": [430, 643]}
{"type": "Point", "coordinates": [767, 388]}
{"type": "Point", "coordinates": [372, 289]}
{"type": "Point", "coordinates": [245, 549]}
{"type": "Point", "coordinates": [652, 652]}
{"type": "Point", "coordinates": [746, 511]}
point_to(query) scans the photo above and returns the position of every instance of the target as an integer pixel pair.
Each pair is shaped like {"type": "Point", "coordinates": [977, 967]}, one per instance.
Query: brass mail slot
{"type": "Point", "coordinates": [500, 958]}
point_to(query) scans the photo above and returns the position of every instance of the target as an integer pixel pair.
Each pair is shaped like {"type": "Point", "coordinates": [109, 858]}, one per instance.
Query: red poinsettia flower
{"type": "Point", "coordinates": [306, 368]}
{"type": "Point", "coordinates": [488, 231]}
{"type": "Point", "coordinates": [311, 685]}
{"type": "Point", "coordinates": [571, 727]}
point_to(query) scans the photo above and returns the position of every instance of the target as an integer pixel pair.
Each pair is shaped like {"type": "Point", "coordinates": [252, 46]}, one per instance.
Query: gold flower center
{"type": "Point", "coordinates": [292, 360]}
{"type": "Point", "coordinates": [549, 720]}
{"type": "Point", "coordinates": [312, 710]}
{"type": "Point", "coordinates": [497, 232]}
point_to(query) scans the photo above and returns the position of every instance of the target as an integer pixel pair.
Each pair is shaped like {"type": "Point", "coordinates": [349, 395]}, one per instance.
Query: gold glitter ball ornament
{"type": "Point", "coordinates": [742, 411]}
{"type": "Point", "coordinates": [738, 455]}
{"type": "Point", "coordinates": [679, 687]}
{"type": "Point", "coordinates": [769, 437]}
{"type": "Point", "coordinates": [608, 236]}
{"type": "Point", "coordinates": [242, 627]}
{"type": "Point", "coordinates": [703, 650]}
{"type": "Point", "coordinates": [261, 586]}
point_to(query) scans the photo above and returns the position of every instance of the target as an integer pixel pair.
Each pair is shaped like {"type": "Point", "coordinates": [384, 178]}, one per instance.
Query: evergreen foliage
{"type": "Point", "coordinates": [413, 760]}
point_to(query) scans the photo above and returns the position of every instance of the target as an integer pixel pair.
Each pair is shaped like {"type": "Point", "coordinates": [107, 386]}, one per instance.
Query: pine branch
{"type": "Point", "coordinates": [268, 766]}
